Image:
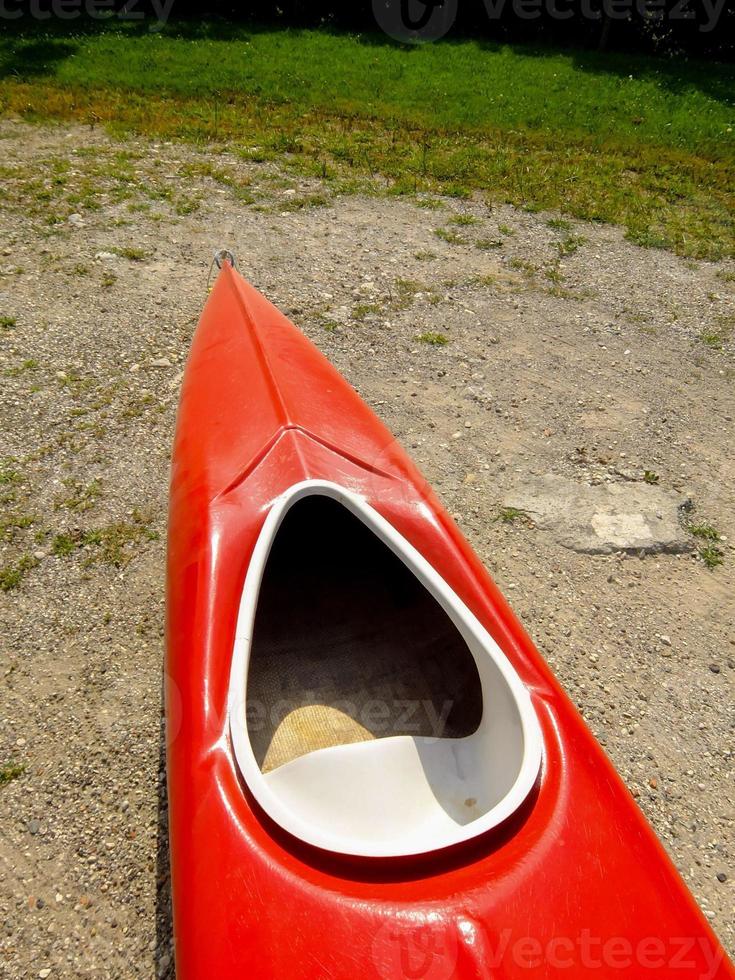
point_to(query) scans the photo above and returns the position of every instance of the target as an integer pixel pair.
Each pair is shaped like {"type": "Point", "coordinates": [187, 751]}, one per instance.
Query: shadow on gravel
{"type": "Point", "coordinates": [164, 925]}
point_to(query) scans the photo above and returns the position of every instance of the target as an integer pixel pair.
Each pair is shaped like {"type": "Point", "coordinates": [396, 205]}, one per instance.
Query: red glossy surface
{"type": "Point", "coordinates": [576, 886]}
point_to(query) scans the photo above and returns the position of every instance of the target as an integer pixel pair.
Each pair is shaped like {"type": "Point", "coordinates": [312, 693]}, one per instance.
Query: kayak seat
{"type": "Point", "coordinates": [370, 713]}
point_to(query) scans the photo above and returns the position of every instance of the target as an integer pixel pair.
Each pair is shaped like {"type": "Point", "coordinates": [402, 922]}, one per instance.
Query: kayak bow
{"type": "Point", "coordinates": [371, 770]}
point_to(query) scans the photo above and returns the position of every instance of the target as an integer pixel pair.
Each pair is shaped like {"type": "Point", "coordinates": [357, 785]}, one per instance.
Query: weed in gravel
{"type": "Point", "coordinates": [424, 256]}
{"type": "Point", "coordinates": [10, 771]}
{"type": "Point", "coordinates": [647, 237]}
{"type": "Point", "coordinates": [73, 381]}
{"type": "Point", "coordinates": [186, 205]}
{"type": "Point", "coordinates": [510, 514]}
{"type": "Point", "coordinates": [506, 230]}
{"type": "Point", "coordinates": [726, 275]}
{"type": "Point", "coordinates": [559, 224]}
{"type": "Point", "coordinates": [650, 477]}
{"type": "Point", "coordinates": [112, 544]}
{"type": "Point", "coordinates": [711, 555]}
{"type": "Point", "coordinates": [712, 338]}
{"type": "Point", "coordinates": [570, 244]}
{"type": "Point", "coordinates": [463, 219]}
{"type": "Point", "coordinates": [64, 545]}
{"type": "Point", "coordinates": [406, 291]}
{"type": "Point", "coordinates": [28, 365]}
{"type": "Point", "coordinates": [486, 281]}
{"type": "Point", "coordinates": [577, 296]}
{"type": "Point", "coordinates": [137, 407]}
{"type": "Point", "coordinates": [704, 530]}
{"type": "Point", "coordinates": [362, 310]}
{"type": "Point", "coordinates": [8, 472]}
{"type": "Point", "coordinates": [81, 497]}
{"type": "Point", "coordinates": [108, 279]}
{"type": "Point", "coordinates": [433, 338]}
{"type": "Point", "coordinates": [12, 575]}
{"type": "Point", "coordinates": [449, 236]}
{"type": "Point", "coordinates": [7, 322]}
{"type": "Point", "coordinates": [523, 265]}
{"type": "Point", "coordinates": [487, 243]}
{"type": "Point", "coordinates": [15, 522]}
{"type": "Point", "coordinates": [300, 203]}
{"type": "Point", "coordinates": [132, 253]}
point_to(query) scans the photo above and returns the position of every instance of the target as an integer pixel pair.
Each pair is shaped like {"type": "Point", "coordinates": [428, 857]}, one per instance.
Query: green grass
{"type": "Point", "coordinates": [449, 236]}
{"type": "Point", "coordinates": [508, 515]}
{"type": "Point", "coordinates": [712, 556]}
{"type": "Point", "coordinates": [704, 530]}
{"type": "Point", "coordinates": [650, 477]}
{"type": "Point", "coordinates": [15, 522]}
{"type": "Point", "coordinates": [570, 244]}
{"type": "Point", "coordinates": [8, 473]}
{"type": "Point", "coordinates": [7, 322]}
{"type": "Point", "coordinates": [433, 339]}
{"type": "Point", "coordinates": [362, 310]}
{"type": "Point", "coordinates": [12, 575]}
{"type": "Point", "coordinates": [709, 552]}
{"type": "Point", "coordinates": [81, 497]}
{"type": "Point", "coordinates": [113, 544]}
{"type": "Point", "coordinates": [642, 142]}
{"type": "Point", "coordinates": [10, 771]}
{"type": "Point", "coordinates": [559, 224]}
{"type": "Point", "coordinates": [131, 253]}
{"type": "Point", "coordinates": [718, 334]}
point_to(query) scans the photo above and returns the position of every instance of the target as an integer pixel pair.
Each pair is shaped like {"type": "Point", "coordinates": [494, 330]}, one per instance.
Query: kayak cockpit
{"type": "Point", "coordinates": [370, 712]}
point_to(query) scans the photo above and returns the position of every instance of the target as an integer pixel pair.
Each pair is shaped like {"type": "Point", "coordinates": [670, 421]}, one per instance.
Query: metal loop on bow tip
{"type": "Point", "coordinates": [224, 255]}
{"type": "Point", "coordinates": [220, 256]}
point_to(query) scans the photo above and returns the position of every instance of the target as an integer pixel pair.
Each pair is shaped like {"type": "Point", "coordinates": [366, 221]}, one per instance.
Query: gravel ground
{"type": "Point", "coordinates": [570, 352]}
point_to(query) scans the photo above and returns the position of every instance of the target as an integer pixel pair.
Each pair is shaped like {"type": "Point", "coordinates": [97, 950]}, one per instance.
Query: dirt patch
{"type": "Point", "coordinates": [564, 350]}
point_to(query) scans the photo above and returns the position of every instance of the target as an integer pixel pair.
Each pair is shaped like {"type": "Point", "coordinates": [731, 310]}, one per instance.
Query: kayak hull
{"type": "Point", "coordinates": [575, 883]}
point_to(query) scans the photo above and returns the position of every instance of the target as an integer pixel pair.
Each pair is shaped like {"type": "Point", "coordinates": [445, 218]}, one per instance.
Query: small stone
{"type": "Point", "coordinates": [45, 972]}
{"type": "Point", "coordinates": [721, 877]}
{"type": "Point", "coordinates": [34, 826]}
{"type": "Point", "coordinates": [106, 256]}
{"type": "Point", "coordinates": [76, 220]}
{"type": "Point", "coordinates": [666, 640]}
{"type": "Point", "coordinates": [714, 668]}
{"type": "Point", "coordinates": [160, 362]}
{"type": "Point", "coordinates": [40, 903]}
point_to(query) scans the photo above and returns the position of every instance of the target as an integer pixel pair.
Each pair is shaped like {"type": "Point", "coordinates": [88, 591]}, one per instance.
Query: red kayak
{"type": "Point", "coordinates": [372, 772]}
